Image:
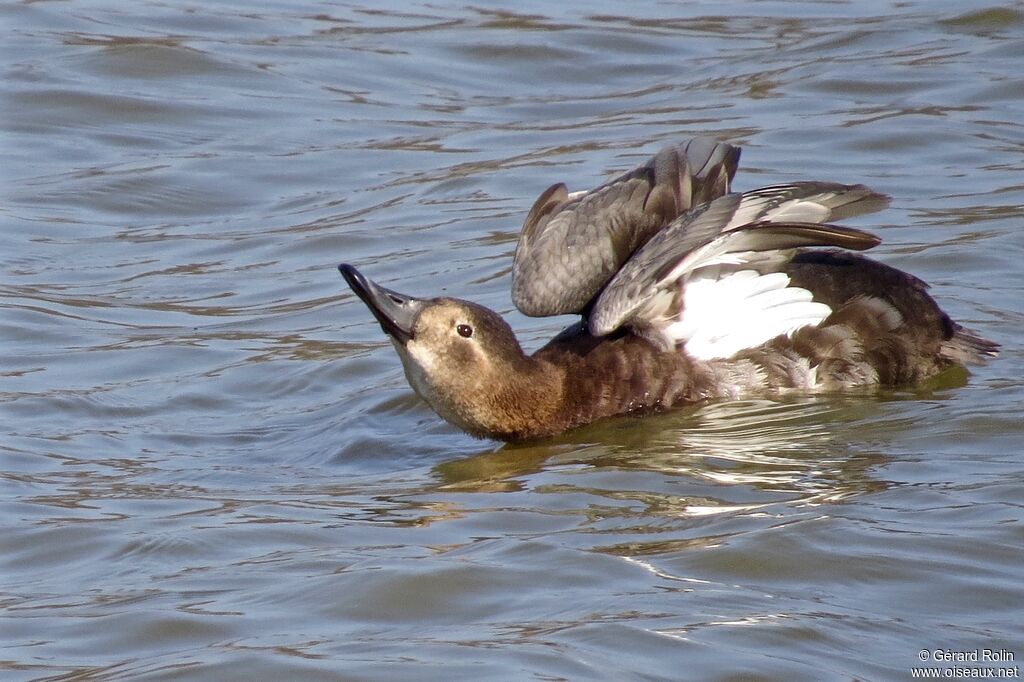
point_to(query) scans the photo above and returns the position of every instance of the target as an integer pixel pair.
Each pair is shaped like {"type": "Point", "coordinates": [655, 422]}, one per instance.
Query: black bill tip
{"type": "Point", "coordinates": [395, 312]}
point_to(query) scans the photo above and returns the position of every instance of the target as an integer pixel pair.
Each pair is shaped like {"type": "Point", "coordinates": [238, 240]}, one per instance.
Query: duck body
{"type": "Point", "coordinates": [723, 299]}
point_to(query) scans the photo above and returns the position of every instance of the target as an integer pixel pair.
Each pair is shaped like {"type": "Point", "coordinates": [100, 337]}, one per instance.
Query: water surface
{"type": "Point", "coordinates": [213, 467]}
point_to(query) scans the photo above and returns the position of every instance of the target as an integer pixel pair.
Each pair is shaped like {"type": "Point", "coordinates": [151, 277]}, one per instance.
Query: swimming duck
{"type": "Point", "coordinates": [687, 292]}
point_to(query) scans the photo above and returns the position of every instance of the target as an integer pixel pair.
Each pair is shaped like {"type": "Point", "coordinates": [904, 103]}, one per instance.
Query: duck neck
{"type": "Point", "coordinates": [522, 403]}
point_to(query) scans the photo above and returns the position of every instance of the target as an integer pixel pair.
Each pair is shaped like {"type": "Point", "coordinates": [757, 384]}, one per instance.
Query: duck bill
{"type": "Point", "coordinates": [396, 312]}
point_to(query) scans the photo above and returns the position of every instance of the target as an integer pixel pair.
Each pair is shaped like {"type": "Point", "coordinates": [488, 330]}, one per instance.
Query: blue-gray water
{"type": "Point", "coordinates": [214, 469]}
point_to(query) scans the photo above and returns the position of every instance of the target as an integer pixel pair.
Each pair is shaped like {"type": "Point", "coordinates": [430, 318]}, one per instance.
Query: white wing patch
{"type": "Point", "coordinates": [806, 211]}
{"type": "Point", "coordinates": [752, 209]}
{"type": "Point", "coordinates": [722, 316]}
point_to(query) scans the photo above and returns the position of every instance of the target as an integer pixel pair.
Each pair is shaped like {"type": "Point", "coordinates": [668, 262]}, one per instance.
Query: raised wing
{"type": "Point", "coordinates": [573, 244]}
{"type": "Point", "coordinates": [712, 281]}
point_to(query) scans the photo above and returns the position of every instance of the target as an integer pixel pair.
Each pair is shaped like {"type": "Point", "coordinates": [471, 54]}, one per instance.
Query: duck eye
{"type": "Point", "coordinates": [464, 330]}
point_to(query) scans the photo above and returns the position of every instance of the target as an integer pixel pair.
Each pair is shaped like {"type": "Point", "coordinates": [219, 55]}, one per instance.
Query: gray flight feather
{"type": "Point", "coordinates": [768, 219]}
{"type": "Point", "coordinates": [572, 246]}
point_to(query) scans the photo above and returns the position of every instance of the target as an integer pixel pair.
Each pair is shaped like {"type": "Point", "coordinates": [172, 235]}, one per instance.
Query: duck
{"type": "Point", "coordinates": [686, 292]}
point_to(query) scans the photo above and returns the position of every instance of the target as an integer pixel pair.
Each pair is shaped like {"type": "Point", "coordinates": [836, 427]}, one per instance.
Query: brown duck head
{"type": "Point", "coordinates": [461, 358]}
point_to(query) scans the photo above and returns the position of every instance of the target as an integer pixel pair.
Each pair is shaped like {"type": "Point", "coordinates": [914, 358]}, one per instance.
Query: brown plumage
{"type": "Point", "coordinates": [724, 300]}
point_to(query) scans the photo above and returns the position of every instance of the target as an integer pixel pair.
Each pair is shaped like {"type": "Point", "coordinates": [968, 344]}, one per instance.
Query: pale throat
{"type": "Point", "coordinates": [487, 400]}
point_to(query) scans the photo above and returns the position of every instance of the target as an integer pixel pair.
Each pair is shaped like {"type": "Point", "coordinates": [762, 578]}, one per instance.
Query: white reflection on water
{"type": "Point", "coordinates": [785, 449]}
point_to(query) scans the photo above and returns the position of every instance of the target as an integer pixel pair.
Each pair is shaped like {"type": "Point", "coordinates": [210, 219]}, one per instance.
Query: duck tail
{"type": "Point", "coordinates": [968, 348]}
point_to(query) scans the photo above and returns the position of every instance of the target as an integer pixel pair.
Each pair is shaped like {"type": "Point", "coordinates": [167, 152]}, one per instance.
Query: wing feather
{"type": "Point", "coordinates": [573, 244]}
{"type": "Point", "coordinates": [710, 281]}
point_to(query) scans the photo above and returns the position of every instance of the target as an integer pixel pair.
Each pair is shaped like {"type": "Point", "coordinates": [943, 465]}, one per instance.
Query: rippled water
{"type": "Point", "coordinates": [213, 467]}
